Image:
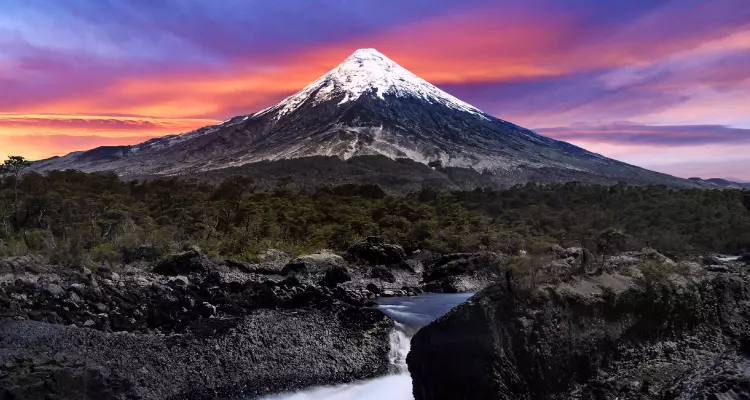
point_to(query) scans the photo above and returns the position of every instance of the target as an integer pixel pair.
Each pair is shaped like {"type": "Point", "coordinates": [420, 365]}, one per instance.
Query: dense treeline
{"type": "Point", "coordinates": [73, 217]}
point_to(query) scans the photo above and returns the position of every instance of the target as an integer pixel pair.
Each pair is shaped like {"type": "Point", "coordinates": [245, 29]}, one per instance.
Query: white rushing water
{"type": "Point", "coordinates": [400, 346]}
{"type": "Point", "coordinates": [410, 314]}
{"type": "Point", "coordinates": [392, 387]}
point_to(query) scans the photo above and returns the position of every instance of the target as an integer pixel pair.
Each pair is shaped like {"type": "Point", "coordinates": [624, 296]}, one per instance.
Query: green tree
{"type": "Point", "coordinates": [611, 240]}
{"type": "Point", "coordinates": [14, 167]}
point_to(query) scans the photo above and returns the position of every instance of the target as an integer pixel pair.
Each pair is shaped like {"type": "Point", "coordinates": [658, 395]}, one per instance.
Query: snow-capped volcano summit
{"type": "Point", "coordinates": [367, 71]}
{"type": "Point", "coordinates": [367, 105]}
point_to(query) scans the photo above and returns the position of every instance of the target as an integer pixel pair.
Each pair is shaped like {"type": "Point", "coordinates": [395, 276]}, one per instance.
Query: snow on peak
{"type": "Point", "coordinates": [369, 71]}
{"type": "Point", "coordinates": [364, 53]}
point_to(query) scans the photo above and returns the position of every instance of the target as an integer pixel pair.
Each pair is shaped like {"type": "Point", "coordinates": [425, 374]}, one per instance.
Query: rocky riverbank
{"type": "Point", "coordinates": [190, 326]}
{"type": "Point", "coordinates": [639, 326]}
{"type": "Point", "coordinates": [193, 327]}
{"type": "Point", "coordinates": [265, 352]}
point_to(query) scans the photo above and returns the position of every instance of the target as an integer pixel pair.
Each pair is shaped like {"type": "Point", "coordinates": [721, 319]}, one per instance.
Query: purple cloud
{"type": "Point", "coordinates": [628, 133]}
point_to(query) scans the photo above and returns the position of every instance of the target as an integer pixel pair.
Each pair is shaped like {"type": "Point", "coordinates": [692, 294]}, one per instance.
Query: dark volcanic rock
{"type": "Point", "coordinates": [267, 351]}
{"type": "Point", "coordinates": [374, 251]}
{"type": "Point", "coordinates": [383, 273]}
{"type": "Point", "coordinates": [185, 263]}
{"type": "Point", "coordinates": [149, 303]}
{"type": "Point", "coordinates": [47, 379]}
{"type": "Point", "coordinates": [728, 380]}
{"type": "Point", "coordinates": [19, 265]}
{"type": "Point", "coordinates": [52, 290]}
{"type": "Point", "coordinates": [336, 275]}
{"type": "Point", "coordinates": [463, 272]}
{"type": "Point", "coordinates": [373, 288]}
{"type": "Point", "coordinates": [583, 340]}
{"type": "Point", "coordinates": [315, 264]}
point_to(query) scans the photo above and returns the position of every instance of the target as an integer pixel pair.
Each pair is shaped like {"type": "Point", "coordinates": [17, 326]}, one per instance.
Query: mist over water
{"type": "Point", "coordinates": [410, 314]}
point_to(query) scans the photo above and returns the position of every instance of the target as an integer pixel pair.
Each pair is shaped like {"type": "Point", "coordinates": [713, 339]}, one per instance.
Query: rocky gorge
{"type": "Point", "coordinates": [642, 327]}
{"type": "Point", "coordinates": [190, 326]}
{"type": "Point", "coordinates": [564, 324]}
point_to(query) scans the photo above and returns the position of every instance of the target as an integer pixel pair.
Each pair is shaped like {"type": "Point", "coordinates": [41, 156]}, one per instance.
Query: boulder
{"type": "Point", "coordinates": [206, 309]}
{"type": "Point", "coordinates": [336, 275]}
{"type": "Point", "coordinates": [274, 256]}
{"type": "Point", "coordinates": [179, 280]}
{"type": "Point", "coordinates": [653, 255]}
{"type": "Point", "coordinates": [463, 264]}
{"type": "Point", "coordinates": [247, 267]}
{"type": "Point", "coordinates": [77, 288]}
{"type": "Point", "coordinates": [185, 263]}
{"type": "Point", "coordinates": [290, 282]}
{"type": "Point", "coordinates": [107, 273]}
{"type": "Point", "coordinates": [313, 264]}
{"type": "Point", "coordinates": [577, 257]}
{"type": "Point", "coordinates": [590, 338]}
{"type": "Point", "coordinates": [310, 297]}
{"type": "Point", "coordinates": [463, 272]}
{"type": "Point", "coordinates": [412, 290]}
{"type": "Point", "coordinates": [375, 251]}
{"type": "Point", "coordinates": [356, 297]}
{"type": "Point", "coordinates": [52, 290]}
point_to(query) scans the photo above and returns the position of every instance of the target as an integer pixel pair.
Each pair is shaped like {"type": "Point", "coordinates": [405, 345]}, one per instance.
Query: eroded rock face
{"type": "Point", "coordinates": [193, 329]}
{"type": "Point", "coordinates": [603, 337]}
{"type": "Point", "coordinates": [265, 352]}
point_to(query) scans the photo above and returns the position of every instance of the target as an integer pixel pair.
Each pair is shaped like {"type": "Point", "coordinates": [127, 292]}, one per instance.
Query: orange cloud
{"type": "Point", "coordinates": [37, 136]}
{"type": "Point", "coordinates": [472, 47]}
{"type": "Point", "coordinates": [84, 125]}
{"type": "Point", "coordinates": [37, 147]}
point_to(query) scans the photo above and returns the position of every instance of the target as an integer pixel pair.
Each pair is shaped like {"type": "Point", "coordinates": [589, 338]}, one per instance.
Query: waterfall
{"type": "Point", "coordinates": [409, 314]}
{"type": "Point", "coordinates": [400, 346]}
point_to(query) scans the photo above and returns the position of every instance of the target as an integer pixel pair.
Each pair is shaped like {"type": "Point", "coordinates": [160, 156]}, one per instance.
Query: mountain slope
{"type": "Point", "coordinates": [718, 183]}
{"type": "Point", "coordinates": [368, 105]}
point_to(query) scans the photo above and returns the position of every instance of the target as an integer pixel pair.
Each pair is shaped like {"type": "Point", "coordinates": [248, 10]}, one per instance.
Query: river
{"type": "Point", "coordinates": [410, 314]}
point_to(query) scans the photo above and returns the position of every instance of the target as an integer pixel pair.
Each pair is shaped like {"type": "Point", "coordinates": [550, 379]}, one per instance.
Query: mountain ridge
{"type": "Point", "coordinates": [367, 105]}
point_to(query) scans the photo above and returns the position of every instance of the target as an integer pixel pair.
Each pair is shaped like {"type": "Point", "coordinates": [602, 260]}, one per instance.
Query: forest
{"type": "Point", "coordinates": [74, 218]}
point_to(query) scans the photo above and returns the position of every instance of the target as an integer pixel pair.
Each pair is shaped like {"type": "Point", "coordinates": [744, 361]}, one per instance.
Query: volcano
{"type": "Point", "coordinates": [367, 105]}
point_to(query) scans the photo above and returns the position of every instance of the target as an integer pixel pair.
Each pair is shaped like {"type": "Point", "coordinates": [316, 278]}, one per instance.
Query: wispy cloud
{"type": "Point", "coordinates": [648, 135]}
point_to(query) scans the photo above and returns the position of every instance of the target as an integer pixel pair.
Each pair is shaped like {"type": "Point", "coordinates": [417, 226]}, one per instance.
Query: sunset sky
{"type": "Point", "coordinates": [657, 83]}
